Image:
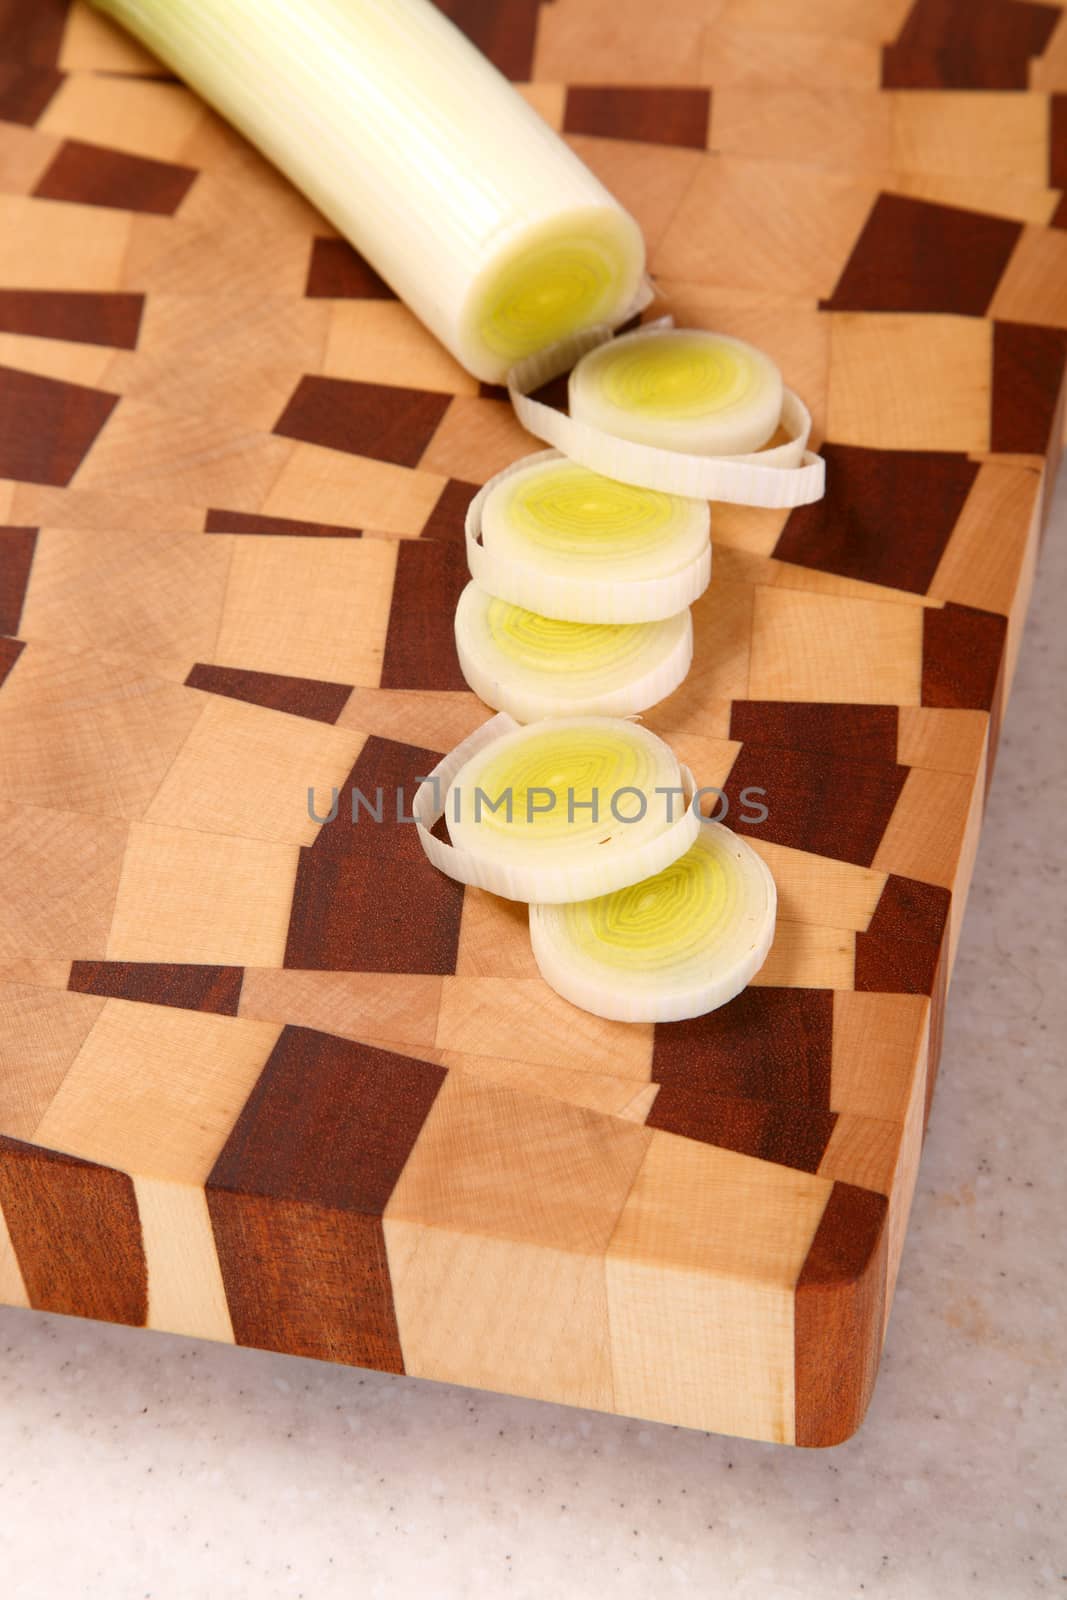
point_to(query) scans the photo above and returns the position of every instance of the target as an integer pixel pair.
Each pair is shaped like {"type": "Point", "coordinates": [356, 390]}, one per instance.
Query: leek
{"type": "Point", "coordinates": [421, 154]}
{"type": "Point", "coordinates": [532, 666]}
{"type": "Point", "coordinates": [672, 946]}
{"type": "Point", "coordinates": [671, 410]}
{"type": "Point", "coordinates": [557, 810]}
{"type": "Point", "coordinates": [553, 537]}
{"type": "Point", "coordinates": [682, 390]}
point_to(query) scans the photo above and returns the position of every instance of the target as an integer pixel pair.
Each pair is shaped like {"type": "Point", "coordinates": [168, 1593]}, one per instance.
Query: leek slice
{"type": "Point", "coordinates": [673, 946]}
{"type": "Point", "coordinates": [679, 389]}
{"type": "Point", "coordinates": [421, 154]}
{"type": "Point", "coordinates": [779, 476]}
{"type": "Point", "coordinates": [532, 666]}
{"type": "Point", "coordinates": [551, 536]}
{"type": "Point", "coordinates": [583, 806]}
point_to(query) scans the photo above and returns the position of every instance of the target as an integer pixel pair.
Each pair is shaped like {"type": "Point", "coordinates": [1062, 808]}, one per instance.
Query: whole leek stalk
{"type": "Point", "coordinates": [421, 154]}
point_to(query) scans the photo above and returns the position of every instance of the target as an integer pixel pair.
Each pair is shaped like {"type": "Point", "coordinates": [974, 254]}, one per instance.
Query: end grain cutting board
{"type": "Point", "coordinates": [279, 1083]}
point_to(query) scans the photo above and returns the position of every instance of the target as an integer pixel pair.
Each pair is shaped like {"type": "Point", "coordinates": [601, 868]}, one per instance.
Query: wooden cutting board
{"type": "Point", "coordinates": [278, 1083]}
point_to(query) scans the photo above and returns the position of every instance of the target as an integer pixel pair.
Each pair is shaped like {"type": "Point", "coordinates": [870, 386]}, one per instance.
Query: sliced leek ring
{"type": "Point", "coordinates": [673, 946]}
{"type": "Point", "coordinates": [532, 666]}
{"type": "Point", "coordinates": [549, 844]}
{"type": "Point", "coordinates": [779, 477]}
{"type": "Point", "coordinates": [551, 536]}
{"type": "Point", "coordinates": [681, 389]}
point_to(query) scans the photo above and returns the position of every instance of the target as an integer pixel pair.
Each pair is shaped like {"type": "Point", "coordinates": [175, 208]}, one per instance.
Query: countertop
{"type": "Point", "coordinates": [138, 1465]}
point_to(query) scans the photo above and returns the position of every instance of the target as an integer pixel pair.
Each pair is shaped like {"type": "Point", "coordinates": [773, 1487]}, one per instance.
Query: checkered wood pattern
{"type": "Point", "coordinates": [280, 1083]}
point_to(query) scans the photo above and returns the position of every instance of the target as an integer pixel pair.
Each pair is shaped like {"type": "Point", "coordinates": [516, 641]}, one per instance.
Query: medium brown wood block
{"type": "Point", "coordinates": [852, 733]}
{"type": "Point", "coordinates": [47, 427]}
{"type": "Point", "coordinates": [840, 1296]}
{"type": "Point", "coordinates": [676, 116]}
{"type": "Point", "coordinates": [75, 1232]}
{"type": "Point", "coordinates": [92, 175]}
{"type": "Point", "coordinates": [25, 91]}
{"type": "Point", "coordinates": [980, 44]}
{"type": "Point", "coordinates": [505, 32]}
{"type": "Point", "coordinates": [338, 272]}
{"type": "Point", "coordinates": [33, 33]}
{"type": "Point", "coordinates": [16, 559]}
{"type": "Point", "coordinates": [900, 953]}
{"type": "Point", "coordinates": [372, 912]}
{"type": "Point", "coordinates": [420, 643]}
{"type": "Point", "coordinates": [766, 1045]}
{"type": "Point", "coordinates": [297, 1195]}
{"type": "Point", "coordinates": [105, 319]}
{"type": "Point", "coordinates": [367, 419]}
{"type": "Point", "coordinates": [192, 988]}
{"type": "Point", "coordinates": [1028, 375]}
{"type": "Point", "coordinates": [300, 697]}
{"type": "Point", "coordinates": [813, 802]}
{"type": "Point", "coordinates": [887, 516]}
{"type": "Point", "coordinates": [961, 657]}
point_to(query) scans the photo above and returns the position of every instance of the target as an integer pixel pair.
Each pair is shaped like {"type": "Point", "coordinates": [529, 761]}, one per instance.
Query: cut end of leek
{"type": "Point", "coordinates": [581, 270]}
{"type": "Point", "coordinates": [674, 945]}
{"type": "Point", "coordinates": [533, 666]}
{"type": "Point", "coordinates": [558, 810]}
{"type": "Point", "coordinates": [703, 393]}
{"type": "Point", "coordinates": [551, 536]}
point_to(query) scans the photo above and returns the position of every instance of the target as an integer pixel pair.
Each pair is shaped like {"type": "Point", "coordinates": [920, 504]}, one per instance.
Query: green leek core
{"type": "Point", "coordinates": [676, 377]}
{"type": "Point", "coordinates": [660, 921]}
{"type": "Point", "coordinates": [553, 288]}
{"type": "Point", "coordinates": [544, 644]}
{"type": "Point", "coordinates": [570, 509]}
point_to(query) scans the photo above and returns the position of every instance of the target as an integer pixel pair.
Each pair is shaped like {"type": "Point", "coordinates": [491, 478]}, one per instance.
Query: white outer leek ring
{"type": "Point", "coordinates": [577, 600]}
{"type": "Point", "coordinates": [631, 681]}
{"type": "Point", "coordinates": [628, 991]}
{"type": "Point", "coordinates": [784, 476]}
{"type": "Point", "coordinates": [536, 882]}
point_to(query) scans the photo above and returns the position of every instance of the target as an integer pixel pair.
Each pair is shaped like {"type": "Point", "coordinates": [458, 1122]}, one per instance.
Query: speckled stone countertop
{"type": "Point", "coordinates": [139, 1465]}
